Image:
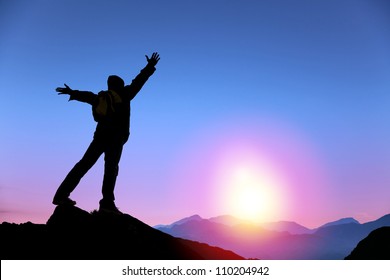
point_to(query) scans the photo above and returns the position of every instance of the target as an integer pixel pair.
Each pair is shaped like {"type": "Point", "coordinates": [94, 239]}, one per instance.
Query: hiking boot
{"type": "Point", "coordinates": [64, 201]}
{"type": "Point", "coordinates": [109, 207]}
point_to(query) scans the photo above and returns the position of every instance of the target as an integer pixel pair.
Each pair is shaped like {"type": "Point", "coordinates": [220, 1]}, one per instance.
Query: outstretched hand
{"type": "Point", "coordinates": [64, 90]}
{"type": "Point", "coordinates": [154, 59]}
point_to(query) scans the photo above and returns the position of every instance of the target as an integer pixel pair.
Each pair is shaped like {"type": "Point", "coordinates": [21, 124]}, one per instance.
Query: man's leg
{"type": "Point", "coordinates": [112, 157]}
{"type": "Point", "coordinates": [70, 182]}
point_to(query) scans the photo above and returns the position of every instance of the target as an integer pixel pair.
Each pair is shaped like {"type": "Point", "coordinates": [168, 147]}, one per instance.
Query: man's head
{"type": "Point", "coordinates": [115, 83]}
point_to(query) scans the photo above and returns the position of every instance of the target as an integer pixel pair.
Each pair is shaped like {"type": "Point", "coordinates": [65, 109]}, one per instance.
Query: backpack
{"type": "Point", "coordinates": [105, 105]}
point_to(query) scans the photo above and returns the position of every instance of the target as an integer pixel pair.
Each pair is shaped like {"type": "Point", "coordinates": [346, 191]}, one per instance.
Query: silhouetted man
{"type": "Point", "coordinates": [112, 132]}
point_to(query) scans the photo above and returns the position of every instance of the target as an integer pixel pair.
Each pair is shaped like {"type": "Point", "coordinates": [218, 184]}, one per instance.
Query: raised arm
{"type": "Point", "coordinates": [82, 96]}
{"type": "Point", "coordinates": [143, 76]}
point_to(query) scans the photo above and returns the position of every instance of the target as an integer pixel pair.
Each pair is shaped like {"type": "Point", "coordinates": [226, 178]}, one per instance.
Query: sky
{"type": "Point", "coordinates": [265, 110]}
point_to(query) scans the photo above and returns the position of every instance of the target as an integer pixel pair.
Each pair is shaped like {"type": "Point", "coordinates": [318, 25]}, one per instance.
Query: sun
{"type": "Point", "coordinates": [252, 191]}
{"type": "Point", "coordinates": [249, 202]}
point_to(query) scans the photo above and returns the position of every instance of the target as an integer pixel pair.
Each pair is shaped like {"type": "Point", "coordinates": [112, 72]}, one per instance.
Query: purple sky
{"type": "Point", "coordinates": [286, 102]}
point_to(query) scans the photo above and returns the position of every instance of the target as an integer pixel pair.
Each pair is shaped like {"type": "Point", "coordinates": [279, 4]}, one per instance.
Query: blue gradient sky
{"type": "Point", "coordinates": [301, 86]}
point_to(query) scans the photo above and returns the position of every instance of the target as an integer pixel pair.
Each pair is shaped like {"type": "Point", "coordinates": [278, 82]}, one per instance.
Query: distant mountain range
{"type": "Point", "coordinates": [280, 240]}
{"type": "Point", "coordinates": [74, 234]}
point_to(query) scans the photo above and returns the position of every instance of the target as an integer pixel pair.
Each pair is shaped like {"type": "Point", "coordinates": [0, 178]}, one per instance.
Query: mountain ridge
{"type": "Point", "coordinates": [376, 246]}
{"type": "Point", "coordinates": [73, 233]}
{"type": "Point", "coordinates": [340, 222]}
{"type": "Point", "coordinates": [333, 240]}
{"type": "Point", "coordinates": [280, 226]}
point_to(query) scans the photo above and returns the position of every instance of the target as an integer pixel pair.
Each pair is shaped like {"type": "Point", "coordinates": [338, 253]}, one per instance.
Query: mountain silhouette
{"type": "Point", "coordinates": [290, 227]}
{"type": "Point", "coordinates": [333, 240]}
{"type": "Point", "coordinates": [376, 246]}
{"type": "Point", "coordinates": [228, 220]}
{"type": "Point", "coordinates": [182, 221]}
{"type": "Point", "coordinates": [280, 226]}
{"type": "Point", "coordinates": [72, 233]}
{"type": "Point", "coordinates": [340, 222]}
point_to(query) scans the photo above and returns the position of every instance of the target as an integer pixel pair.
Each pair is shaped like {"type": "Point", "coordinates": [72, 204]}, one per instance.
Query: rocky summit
{"type": "Point", "coordinates": [72, 233]}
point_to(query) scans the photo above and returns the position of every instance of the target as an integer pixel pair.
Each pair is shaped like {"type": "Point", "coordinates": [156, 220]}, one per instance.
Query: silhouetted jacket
{"type": "Point", "coordinates": [119, 124]}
